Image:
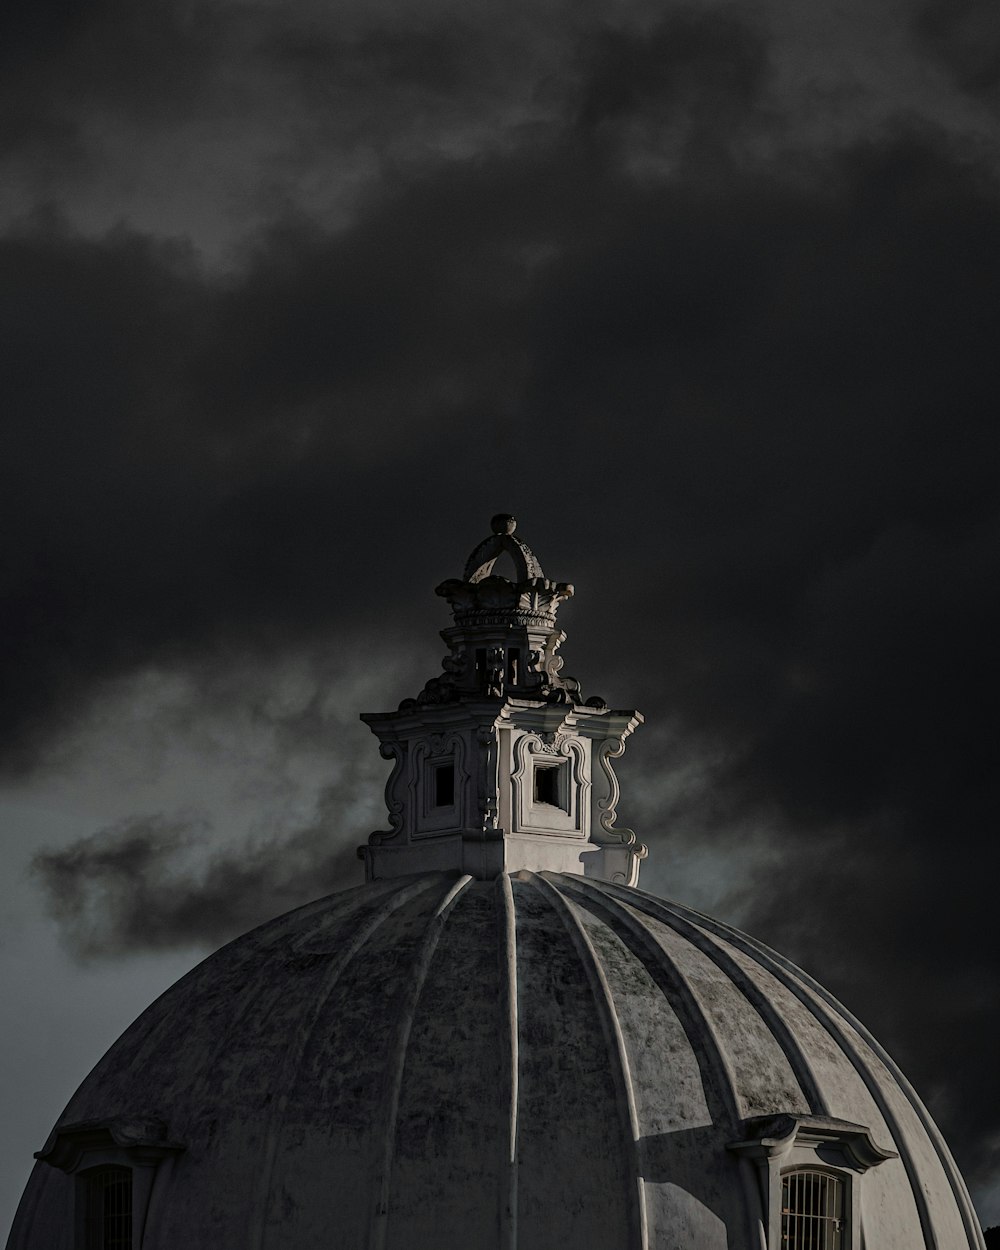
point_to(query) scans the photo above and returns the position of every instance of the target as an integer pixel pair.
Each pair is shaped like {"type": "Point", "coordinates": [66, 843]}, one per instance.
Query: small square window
{"type": "Point", "coordinates": [444, 785]}
{"type": "Point", "coordinates": [546, 785]}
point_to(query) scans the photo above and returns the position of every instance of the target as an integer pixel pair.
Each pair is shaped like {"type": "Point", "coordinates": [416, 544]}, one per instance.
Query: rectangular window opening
{"type": "Point", "coordinates": [108, 1218]}
{"type": "Point", "coordinates": [444, 785]}
{"type": "Point", "coordinates": [546, 784]}
{"type": "Point", "coordinates": [812, 1211]}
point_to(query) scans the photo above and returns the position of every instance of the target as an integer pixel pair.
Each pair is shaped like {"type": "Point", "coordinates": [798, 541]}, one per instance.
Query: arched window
{"type": "Point", "coordinates": [107, 1219]}
{"type": "Point", "coordinates": [812, 1210]}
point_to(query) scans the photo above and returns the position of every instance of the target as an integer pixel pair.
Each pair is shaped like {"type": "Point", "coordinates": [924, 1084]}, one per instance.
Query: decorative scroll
{"type": "Point", "coordinates": [608, 806]}
{"type": "Point", "coordinates": [395, 805]}
{"type": "Point", "coordinates": [617, 842]}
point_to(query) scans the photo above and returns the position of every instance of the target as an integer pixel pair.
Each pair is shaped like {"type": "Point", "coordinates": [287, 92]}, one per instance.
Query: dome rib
{"type": "Point", "coordinates": [787, 1042]}
{"type": "Point", "coordinates": [789, 974]}
{"type": "Point", "coordinates": [377, 916]}
{"type": "Point", "coordinates": [378, 1227]}
{"type": "Point", "coordinates": [698, 1028]}
{"type": "Point", "coordinates": [508, 990]}
{"type": "Point", "coordinates": [629, 1119]}
{"type": "Point", "coordinates": [719, 1083]}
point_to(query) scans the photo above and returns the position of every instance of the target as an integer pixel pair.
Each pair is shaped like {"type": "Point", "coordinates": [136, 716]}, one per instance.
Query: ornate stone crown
{"type": "Point", "coordinates": [480, 599]}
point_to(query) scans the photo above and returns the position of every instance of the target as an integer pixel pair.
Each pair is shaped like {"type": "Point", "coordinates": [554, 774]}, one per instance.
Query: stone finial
{"type": "Point", "coordinates": [504, 639]}
{"type": "Point", "coordinates": [480, 563]}
{"type": "Point", "coordinates": [482, 597]}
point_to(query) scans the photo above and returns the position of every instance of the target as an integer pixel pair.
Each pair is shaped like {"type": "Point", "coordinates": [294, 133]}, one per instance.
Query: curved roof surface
{"type": "Point", "coordinates": [538, 1061]}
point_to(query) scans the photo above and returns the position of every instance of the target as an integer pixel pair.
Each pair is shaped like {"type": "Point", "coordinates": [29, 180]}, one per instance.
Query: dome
{"type": "Point", "coordinates": [498, 1042]}
{"type": "Point", "coordinates": [539, 1061]}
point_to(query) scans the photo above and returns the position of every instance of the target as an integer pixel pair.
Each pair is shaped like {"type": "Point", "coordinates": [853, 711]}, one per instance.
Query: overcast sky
{"type": "Point", "coordinates": [295, 295]}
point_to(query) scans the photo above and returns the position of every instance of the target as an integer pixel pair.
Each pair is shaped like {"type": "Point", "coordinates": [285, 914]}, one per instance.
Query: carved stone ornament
{"type": "Point", "coordinates": [496, 601]}
{"type": "Point", "coordinates": [495, 762]}
{"type": "Point", "coordinates": [143, 1140]}
{"type": "Point", "coordinates": [774, 1136]}
{"type": "Point", "coordinates": [480, 564]}
{"type": "Point", "coordinates": [394, 800]}
{"type": "Point", "coordinates": [483, 599]}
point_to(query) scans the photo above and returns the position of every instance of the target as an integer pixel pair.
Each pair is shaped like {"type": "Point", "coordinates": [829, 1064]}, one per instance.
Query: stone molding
{"type": "Point", "coordinates": [143, 1141]}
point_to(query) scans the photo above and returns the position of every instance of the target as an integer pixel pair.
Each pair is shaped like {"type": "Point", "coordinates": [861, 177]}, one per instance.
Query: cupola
{"type": "Point", "coordinates": [500, 764]}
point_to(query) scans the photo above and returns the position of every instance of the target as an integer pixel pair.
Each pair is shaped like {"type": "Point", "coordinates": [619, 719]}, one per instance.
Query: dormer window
{"type": "Point", "coordinates": [811, 1169]}
{"type": "Point", "coordinates": [111, 1166]}
{"type": "Point", "coordinates": [107, 1208]}
{"type": "Point", "coordinates": [812, 1210]}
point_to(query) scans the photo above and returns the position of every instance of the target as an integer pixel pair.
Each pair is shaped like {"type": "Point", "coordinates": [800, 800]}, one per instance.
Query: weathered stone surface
{"type": "Point", "coordinates": [536, 1061]}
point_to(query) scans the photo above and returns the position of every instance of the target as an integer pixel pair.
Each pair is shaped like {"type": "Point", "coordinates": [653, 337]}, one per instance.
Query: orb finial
{"type": "Point", "coordinates": [480, 564]}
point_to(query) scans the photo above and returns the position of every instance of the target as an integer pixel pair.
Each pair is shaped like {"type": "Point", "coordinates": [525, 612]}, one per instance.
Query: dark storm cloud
{"type": "Point", "coordinates": [742, 395]}
{"type": "Point", "coordinates": [705, 67]}
{"type": "Point", "coordinates": [388, 81]}
{"type": "Point", "coordinates": [142, 886]}
{"type": "Point", "coordinates": [964, 37]}
{"type": "Point", "coordinates": [64, 62]}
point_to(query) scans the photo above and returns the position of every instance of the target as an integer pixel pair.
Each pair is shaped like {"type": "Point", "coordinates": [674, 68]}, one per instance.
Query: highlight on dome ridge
{"type": "Point", "coordinates": [498, 1042]}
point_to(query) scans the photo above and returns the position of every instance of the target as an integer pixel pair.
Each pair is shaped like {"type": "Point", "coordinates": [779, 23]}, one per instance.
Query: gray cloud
{"type": "Point", "coordinates": [965, 38]}
{"type": "Point", "coordinates": [151, 883]}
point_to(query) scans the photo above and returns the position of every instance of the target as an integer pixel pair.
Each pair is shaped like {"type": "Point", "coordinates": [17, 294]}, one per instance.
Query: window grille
{"type": "Point", "coordinates": [812, 1211]}
{"type": "Point", "coordinates": [108, 1218]}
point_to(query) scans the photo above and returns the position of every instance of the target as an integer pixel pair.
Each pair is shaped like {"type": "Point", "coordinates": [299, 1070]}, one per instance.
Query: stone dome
{"type": "Point", "coordinates": [497, 1043]}
{"type": "Point", "coordinates": [533, 1061]}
